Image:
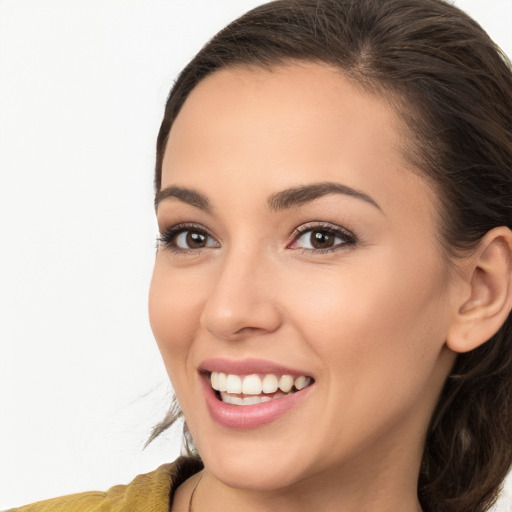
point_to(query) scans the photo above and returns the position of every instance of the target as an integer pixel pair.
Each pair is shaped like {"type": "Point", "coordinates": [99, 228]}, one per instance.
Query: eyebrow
{"type": "Point", "coordinates": [298, 196]}
{"type": "Point", "coordinates": [187, 195]}
{"type": "Point", "coordinates": [289, 198]}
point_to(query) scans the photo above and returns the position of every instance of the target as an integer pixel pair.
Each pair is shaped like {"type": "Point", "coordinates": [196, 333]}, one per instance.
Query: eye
{"type": "Point", "coordinates": [185, 238]}
{"type": "Point", "coordinates": [321, 238]}
{"type": "Point", "coordinates": [193, 240]}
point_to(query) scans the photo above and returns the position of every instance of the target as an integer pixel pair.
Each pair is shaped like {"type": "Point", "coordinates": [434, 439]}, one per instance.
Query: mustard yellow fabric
{"type": "Point", "coordinates": [151, 492]}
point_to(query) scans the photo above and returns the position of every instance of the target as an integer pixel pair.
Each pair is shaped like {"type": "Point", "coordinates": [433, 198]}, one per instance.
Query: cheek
{"type": "Point", "coordinates": [378, 337]}
{"type": "Point", "coordinates": [374, 323]}
{"type": "Point", "coordinates": [174, 309]}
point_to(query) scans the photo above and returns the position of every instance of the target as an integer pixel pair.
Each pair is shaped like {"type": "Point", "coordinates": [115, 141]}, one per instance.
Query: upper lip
{"type": "Point", "coordinates": [248, 367]}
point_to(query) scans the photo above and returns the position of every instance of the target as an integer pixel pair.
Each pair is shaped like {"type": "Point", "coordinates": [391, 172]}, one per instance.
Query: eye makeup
{"type": "Point", "coordinates": [323, 238]}
{"type": "Point", "coordinates": [189, 238]}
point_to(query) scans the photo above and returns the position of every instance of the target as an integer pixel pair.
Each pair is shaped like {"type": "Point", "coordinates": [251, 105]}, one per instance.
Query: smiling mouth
{"type": "Point", "coordinates": [256, 388]}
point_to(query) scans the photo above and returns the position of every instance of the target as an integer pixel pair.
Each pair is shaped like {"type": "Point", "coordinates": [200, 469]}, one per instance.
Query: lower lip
{"type": "Point", "coordinates": [249, 416]}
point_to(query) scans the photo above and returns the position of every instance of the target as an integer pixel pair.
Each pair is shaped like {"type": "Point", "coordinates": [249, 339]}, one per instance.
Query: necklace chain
{"type": "Point", "coordinates": [193, 492]}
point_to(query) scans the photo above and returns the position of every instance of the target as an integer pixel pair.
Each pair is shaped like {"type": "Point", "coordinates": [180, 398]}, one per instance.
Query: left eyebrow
{"type": "Point", "coordinates": [298, 196]}
{"type": "Point", "coordinates": [186, 195]}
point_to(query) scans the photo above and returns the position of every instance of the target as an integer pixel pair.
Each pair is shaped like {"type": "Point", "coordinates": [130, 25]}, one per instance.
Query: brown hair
{"type": "Point", "coordinates": [452, 86]}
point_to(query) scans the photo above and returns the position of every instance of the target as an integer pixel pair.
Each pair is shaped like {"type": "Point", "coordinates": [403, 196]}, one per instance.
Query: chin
{"type": "Point", "coordinates": [262, 473]}
{"type": "Point", "coordinates": [245, 460]}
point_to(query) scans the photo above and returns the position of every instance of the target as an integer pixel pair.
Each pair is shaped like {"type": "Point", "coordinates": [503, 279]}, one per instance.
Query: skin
{"type": "Point", "coordinates": [368, 320]}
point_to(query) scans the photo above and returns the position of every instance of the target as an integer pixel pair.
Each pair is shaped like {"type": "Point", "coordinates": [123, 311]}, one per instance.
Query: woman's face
{"type": "Point", "coordinates": [296, 240]}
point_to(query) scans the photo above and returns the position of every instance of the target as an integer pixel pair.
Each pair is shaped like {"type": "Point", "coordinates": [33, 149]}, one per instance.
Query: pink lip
{"type": "Point", "coordinates": [247, 367]}
{"type": "Point", "coordinates": [248, 416]}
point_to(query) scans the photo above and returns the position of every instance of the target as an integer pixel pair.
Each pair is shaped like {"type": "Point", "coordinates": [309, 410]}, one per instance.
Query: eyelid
{"type": "Point", "coordinates": [347, 236]}
{"type": "Point", "coordinates": [169, 234]}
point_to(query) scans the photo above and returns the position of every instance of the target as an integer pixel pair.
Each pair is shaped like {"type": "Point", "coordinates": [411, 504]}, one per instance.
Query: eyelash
{"type": "Point", "coordinates": [347, 237]}
{"type": "Point", "coordinates": [167, 239]}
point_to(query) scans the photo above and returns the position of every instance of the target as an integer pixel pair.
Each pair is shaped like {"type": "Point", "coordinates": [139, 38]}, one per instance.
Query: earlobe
{"type": "Point", "coordinates": [489, 275]}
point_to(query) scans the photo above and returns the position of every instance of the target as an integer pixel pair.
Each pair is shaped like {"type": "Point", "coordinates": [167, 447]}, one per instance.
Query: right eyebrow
{"type": "Point", "coordinates": [186, 195]}
{"type": "Point", "coordinates": [297, 196]}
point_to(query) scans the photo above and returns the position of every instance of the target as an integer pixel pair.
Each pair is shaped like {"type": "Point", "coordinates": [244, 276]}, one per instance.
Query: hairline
{"type": "Point", "coordinates": [399, 102]}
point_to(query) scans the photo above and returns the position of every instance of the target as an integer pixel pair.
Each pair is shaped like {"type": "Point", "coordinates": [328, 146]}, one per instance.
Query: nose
{"type": "Point", "coordinates": [242, 300]}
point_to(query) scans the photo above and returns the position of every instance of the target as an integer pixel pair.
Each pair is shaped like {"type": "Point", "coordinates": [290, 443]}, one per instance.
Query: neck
{"type": "Point", "coordinates": [332, 494]}
{"type": "Point", "coordinates": [381, 477]}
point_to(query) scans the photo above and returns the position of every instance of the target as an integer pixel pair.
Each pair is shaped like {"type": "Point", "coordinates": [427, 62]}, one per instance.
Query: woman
{"type": "Point", "coordinates": [332, 286]}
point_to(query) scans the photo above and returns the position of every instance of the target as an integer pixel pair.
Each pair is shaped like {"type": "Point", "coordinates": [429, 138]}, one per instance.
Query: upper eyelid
{"type": "Point", "coordinates": [186, 226]}
{"type": "Point", "coordinates": [175, 229]}
{"type": "Point", "coordinates": [303, 227]}
{"type": "Point", "coordinates": [298, 231]}
{"type": "Point", "coordinates": [321, 225]}
{"type": "Point", "coordinates": [347, 236]}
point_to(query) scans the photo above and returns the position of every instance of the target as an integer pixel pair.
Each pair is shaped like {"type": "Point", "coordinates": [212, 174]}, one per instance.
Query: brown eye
{"type": "Point", "coordinates": [188, 239]}
{"type": "Point", "coordinates": [321, 240]}
{"type": "Point", "coordinates": [195, 240]}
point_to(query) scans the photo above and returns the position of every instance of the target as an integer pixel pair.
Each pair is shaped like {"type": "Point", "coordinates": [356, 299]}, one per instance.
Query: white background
{"type": "Point", "coordinates": [82, 89]}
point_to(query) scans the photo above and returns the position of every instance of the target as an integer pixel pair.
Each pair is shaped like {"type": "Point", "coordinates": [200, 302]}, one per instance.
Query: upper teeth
{"type": "Point", "coordinates": [255, 385]}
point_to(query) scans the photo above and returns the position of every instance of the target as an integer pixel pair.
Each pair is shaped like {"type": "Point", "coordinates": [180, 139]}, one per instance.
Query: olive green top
{"type": "Point", "coordinates": [151, 492]}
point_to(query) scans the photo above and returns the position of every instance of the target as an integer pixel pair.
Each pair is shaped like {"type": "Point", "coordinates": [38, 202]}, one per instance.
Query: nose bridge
{"type": "Point", "coordinates": [241, 300]}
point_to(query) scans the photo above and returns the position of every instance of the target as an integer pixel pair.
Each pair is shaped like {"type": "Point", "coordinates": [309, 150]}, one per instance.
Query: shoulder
{"type": "Point", "coordinates": [149, 492]}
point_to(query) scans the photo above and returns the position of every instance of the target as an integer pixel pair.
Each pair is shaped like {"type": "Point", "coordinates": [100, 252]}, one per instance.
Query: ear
{"type": "Point", "coordinates": [487, 301]}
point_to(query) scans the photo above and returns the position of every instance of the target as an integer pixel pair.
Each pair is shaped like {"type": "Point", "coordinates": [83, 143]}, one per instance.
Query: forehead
{"type": "Point", "coordinates": [286, 100]}
{"type": "Point", "coordinates": [287, 126]}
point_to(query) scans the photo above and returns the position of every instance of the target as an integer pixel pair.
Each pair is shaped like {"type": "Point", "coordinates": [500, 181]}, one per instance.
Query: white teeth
{"type": "Point", "coordinates": [214, 380]}
{"type": "Point", "coordinates": [222, 382]}
{"type": "Point", "coordinates": [249, 400]}
{"type": "Point", "coordinates": [233, 384]}
{"type": "Point", "coordinates": [252, 400]}
{"type": "Point", "coordinates": [228, 399]}
{"type": "Point", "coordinates": [255, 386]}
{"type": "Point", "coordinates": [286, 383]}
{"type": "Point", "coordinates": [301, 382]}
{"type": "Point", "coordinates": [270, 384]}
{"type": "Point", "coordinates": [236, 400]}
{"type": "Point", "coordinates": [251, 385]}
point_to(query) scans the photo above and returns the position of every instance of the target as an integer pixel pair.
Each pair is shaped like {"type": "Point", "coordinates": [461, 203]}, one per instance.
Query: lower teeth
{"type": "Point", "coordinates": [252, 399]}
